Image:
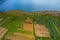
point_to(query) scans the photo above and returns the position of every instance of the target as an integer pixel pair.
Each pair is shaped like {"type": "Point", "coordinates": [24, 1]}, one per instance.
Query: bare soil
{"type": "Point", "coordinates": [2, 32]}
{"type": "Point", "coordinates": [20, 36]}
{"type": "Point", "coordinates": [28, 25]}
{"type": "Point", "coordinates": [41, 31]}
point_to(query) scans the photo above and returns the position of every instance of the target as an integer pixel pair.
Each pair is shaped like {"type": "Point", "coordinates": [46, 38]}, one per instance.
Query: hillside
{"type": "Point", "coordinates": [21, 25]}
{"type": "Point", "coordinates": [19, 12]}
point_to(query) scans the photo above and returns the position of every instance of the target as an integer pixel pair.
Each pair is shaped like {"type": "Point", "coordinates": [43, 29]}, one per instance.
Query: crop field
{"type": "Point", "coordinates": [15, 24]}
{"type": "Point", "coordinates": [25, 30]}
{"type": "Point", "coordinates": [53, 25]}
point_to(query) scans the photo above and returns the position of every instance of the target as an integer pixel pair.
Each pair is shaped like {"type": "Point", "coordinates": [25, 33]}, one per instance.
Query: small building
{"type": "Point", "coordinates": [2, 32]}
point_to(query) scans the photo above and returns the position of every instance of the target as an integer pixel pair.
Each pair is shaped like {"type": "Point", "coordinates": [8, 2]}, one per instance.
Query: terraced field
{"type": "Point", "coordinates": [52, 24]}
{"type": "Point", "coordinates": [17, 26]}
{"type": "Point", "coordinates": [14, 24]}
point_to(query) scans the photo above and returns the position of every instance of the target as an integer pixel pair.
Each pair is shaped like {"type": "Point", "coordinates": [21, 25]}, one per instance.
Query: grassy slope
{"type": "Point", "coordinates": [16, 22]}
{"type": "Point", "coordinates": [48, 20]}
{"type": "Point", "coordinates": [13, 23]}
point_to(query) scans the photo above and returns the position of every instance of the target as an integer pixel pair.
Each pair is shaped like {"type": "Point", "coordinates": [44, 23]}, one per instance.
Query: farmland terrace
{"type": "Point", "coordinates": [37, 26]}
{"type": "Point", "coordinates": [2, 32]}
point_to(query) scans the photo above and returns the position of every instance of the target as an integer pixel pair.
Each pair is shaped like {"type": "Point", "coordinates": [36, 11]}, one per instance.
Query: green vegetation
{"type": "Point", "coordinates": [43, 38]}
{"type": "Point", "coordinates": [52, 23]}
{"type": "Point", "coordinates": [12, 21]}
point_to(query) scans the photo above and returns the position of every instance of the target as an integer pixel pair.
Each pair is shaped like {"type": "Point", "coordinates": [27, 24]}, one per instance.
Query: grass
{"type": "Point", "coordinates": [13, 23]}
{"type": "Point", "coordinates": [24, 32]}
{"type": "Point", "coordinates": [43, 38]}
{"type": "Point", "coordinates": [51, 24]}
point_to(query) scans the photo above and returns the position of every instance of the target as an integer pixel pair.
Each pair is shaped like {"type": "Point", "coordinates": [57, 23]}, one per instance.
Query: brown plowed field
{"type": "Point", "coordinates": [41, 31]}
{"type": "Point", "coordinates": [28, 27]}
{"type": "Point", "coordinates": [20, 36]}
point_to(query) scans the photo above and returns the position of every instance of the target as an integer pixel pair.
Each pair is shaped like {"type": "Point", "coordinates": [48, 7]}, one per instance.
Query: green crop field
{"type": "Point", "coordinates": [12, 22]}
{"type": "Point", "coordinates": [53, 25]}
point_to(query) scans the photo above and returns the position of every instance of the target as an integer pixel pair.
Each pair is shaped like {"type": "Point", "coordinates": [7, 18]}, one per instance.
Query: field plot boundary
{"type": "Point", "coordinates": [4, 21]}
